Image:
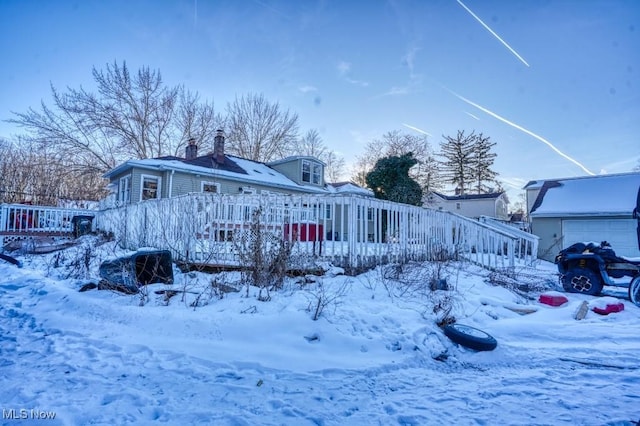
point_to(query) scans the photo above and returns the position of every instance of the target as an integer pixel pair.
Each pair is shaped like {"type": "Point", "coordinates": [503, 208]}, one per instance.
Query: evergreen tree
{"type": "Point", "coordinates": [397, 143]}
{"type": "Point", "coordinates": [458, 153]}
{"type": "Point", "coordinates": [390, 180]}
{"type": "Point", "coordinates": [481, 162]}
{"type": "Point", "coordinates": [467, 162]}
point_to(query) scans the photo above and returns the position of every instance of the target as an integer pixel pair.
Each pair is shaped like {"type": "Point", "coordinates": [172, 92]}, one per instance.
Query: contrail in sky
{"type": "Point", "coordinates": [493, 33]}
{"type": "Point", "coordinates": [471, 115]}
{"type": "Point", "coordinates": [195, 13]}
{"type": "Point", "coordinates": [522, 129]}
{"type": "Point", "coordinates": [416, 129]}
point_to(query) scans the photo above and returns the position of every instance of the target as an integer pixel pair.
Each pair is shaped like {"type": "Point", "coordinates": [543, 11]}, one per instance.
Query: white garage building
{"type": "Point", "coordinates": [585, 209]}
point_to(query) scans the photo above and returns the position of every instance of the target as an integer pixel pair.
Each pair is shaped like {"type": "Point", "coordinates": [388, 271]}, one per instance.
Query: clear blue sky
{"type": "Point", "coordinates": [567, 71]}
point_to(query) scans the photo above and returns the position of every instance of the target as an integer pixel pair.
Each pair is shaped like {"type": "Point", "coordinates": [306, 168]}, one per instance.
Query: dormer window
{"type": "Point", "coordinates": [311, 172]}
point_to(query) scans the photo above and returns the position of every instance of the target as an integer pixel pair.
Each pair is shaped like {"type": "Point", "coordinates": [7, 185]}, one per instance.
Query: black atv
{"type": "Point", "coordinates": [587, 267]}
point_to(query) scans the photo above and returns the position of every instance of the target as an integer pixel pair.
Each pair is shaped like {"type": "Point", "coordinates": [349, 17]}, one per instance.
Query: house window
{"type": "Point", "coordinates": [311, 172]}
{"type": "Point", "coordinates": [124, 190]}
{"type": "Point", "coordinates": [457, 206]}
{"type": "Point", "coordinates": [247, 190]}
{"type": "Point", "coordinates": [150, 187]}
{"type": "Point", "coordinates": [306, 171]}
{"type": "Point", "coordinates": [211, 187]}
{"type": "Point", "coordinates": [317, 173]}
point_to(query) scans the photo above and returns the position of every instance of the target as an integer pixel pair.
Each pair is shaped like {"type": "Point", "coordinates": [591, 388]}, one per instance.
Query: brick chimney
{"type": "Point", "coordinates": [218, 147]}
{"type": "Point", "coordinates": [191, 151]}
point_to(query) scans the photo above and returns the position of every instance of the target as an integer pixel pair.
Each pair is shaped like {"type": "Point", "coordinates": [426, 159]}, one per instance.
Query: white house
{"type": "Point", "coordinates": [218, 172]}
{"type": "Point", "coordinates": [494, 204]}
{"type": "Point", "coordinates": [590, 208]}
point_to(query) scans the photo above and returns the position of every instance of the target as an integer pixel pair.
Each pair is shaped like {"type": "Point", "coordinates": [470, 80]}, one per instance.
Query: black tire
{"type": "Point", "coordinates": [634, 291]}
{"type": "Point", "coordinates": [470, 337]}
{"type": "Point", "coordinates": [582, 280]}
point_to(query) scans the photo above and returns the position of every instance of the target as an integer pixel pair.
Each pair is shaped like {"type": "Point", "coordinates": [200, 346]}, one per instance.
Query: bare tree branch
{"type": "Point", "coordinates": [259, 130]}
{"type": "Point", "coordinates": [131, 115]}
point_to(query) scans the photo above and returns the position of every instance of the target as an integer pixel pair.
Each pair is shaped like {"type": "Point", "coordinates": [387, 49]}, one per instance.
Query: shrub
{"type": "Point", "coordinates": [263, 255]}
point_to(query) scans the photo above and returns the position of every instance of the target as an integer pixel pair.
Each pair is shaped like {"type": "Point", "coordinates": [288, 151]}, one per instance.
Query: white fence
{"type": "Point", "coordinates": [24, 219]}
{"type": "Point", "coordinates": [351, 231]}
{"type": "Point", "coordinates": [526, 244]}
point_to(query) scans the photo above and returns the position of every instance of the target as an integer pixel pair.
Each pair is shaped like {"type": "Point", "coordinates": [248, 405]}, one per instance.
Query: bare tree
{"type": "Point", "coordinates": [132, 115]}
{"type": "Point", "coordinates": [13, 184]}
{"type": "Point", "coordinates": [42, 176]}
{"type": "Point", "coordinates": [396, 144]}
{"type": "Point", "coordinates": [260, 130]}
{"type": "Point", "coordinates": [311, 144]}
{"type": "Point", "coordinates": [196, 119]}
{"type": "Point", "coordinates": [335, 168]}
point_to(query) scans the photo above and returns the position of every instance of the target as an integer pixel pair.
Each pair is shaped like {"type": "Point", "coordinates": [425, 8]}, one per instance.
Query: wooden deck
{"type": "Point", "coordinates": [350, 231]}
{"type": "Point", "coordinates": [19, 221]}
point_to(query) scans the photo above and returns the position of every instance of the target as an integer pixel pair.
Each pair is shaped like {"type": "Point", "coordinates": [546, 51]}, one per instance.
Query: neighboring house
{"type": "Point", "coordinates": [217, 172]}
{"type": "Point", "coordinates": [493, 205]}
{"type": "Point", "coordinates": [584, 209]}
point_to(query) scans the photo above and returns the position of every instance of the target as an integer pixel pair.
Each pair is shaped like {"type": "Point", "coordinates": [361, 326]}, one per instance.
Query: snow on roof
{"type": "Point", "coordinates": [469, 196]}
{"type": "Point", "coordinates": [537, 184]}
{"type": "Point", "coordinates": [256, 172]}
{"type": "Point", "coordinates": [294, 158]}
{"type": "Point", "coordinates": [264, 174]}
{"type": "Point", "coordinates": [348, 188]}
{"type": "Point", "coordinates": [603, 195]}
{"type": "Point", "coordinates": [533, 184]}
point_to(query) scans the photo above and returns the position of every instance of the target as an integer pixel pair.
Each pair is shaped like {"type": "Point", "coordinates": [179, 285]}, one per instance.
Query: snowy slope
{"type": "Point", "coordinates": [99, 357]}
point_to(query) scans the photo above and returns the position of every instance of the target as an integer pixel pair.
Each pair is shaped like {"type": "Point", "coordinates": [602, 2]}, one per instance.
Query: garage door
{"type": "Point", "coordinates": [620, 233]}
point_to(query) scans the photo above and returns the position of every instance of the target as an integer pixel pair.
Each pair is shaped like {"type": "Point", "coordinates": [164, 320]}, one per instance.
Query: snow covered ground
{"type": "Point", "coordinates": [374, 357]}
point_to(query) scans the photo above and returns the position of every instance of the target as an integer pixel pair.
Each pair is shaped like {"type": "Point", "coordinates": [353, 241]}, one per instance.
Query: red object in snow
{"type": "Point", "coordinates": [610, 308]}
{"type": "Point", "coordinates": [553, 299]}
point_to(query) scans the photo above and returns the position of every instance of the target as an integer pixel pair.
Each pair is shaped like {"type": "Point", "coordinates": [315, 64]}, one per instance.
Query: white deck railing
{"type": "Point", "coordinates": [526, 243]}
{"type": "Point", "coordinates": [352, 231]}
{"type": "Point", "coordinates": [24, 219]}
